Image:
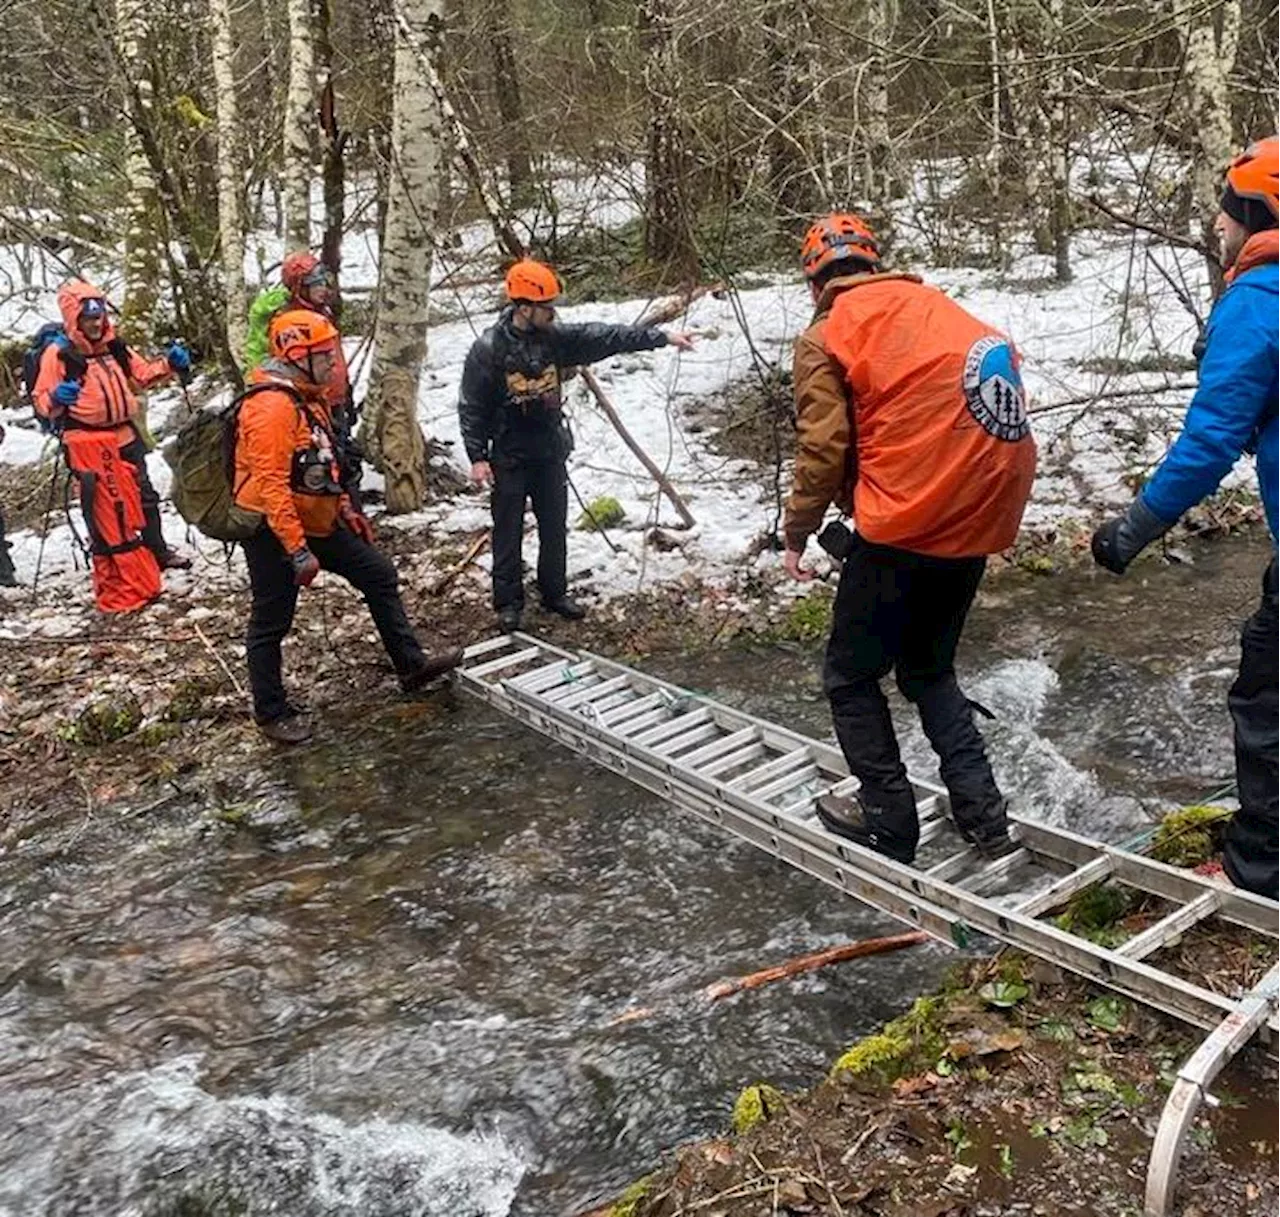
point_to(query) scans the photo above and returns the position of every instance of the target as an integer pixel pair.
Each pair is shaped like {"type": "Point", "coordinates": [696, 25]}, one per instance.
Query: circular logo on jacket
{"type": "Point", "coordinates": [993, 389]}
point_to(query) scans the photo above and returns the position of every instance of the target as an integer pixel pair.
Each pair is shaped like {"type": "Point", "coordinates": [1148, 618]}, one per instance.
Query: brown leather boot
{"type": "Point", "coordinates": [433, 666]}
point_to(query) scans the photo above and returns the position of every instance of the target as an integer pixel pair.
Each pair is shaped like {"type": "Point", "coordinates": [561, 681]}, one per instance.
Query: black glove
{"type": "Point", "coordinates": [1117, 542]}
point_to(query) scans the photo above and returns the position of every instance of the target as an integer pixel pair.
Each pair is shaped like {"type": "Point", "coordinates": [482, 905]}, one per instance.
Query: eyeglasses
{"type": "Point", "coordinates": [321, 276]}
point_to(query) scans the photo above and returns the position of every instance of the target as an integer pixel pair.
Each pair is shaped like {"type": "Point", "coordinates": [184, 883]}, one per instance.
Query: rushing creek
{"type": "Point", "coordinates": [385, 978]}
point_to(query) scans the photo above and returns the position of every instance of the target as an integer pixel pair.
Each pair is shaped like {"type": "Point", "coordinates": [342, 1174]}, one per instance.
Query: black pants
{"type": "Point", "coordinates": [904, 612]}
{"type": "Point", "coordinates": [545, 484]}
{"type": "Point", "coordinates": [135, 452]}
{"type": "Point", "coordinates": [275, 597]}
{"type": "Point", "coordinates": [1250, 852]}
{"type": "Point", "coordinates": [6, 561]}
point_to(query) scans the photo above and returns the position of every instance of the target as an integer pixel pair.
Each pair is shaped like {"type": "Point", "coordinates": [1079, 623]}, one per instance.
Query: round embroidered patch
{"type": "Point", "coordinates": [993, 389]}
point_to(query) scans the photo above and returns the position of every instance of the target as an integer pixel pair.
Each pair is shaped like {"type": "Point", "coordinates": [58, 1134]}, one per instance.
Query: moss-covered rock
{"type": "Point", "coordinates": [188, 700]}
{"type": "Point", "coordinates": [809, 617]}
{"type": "Point", "coordinates": [604, 512]}
{"type": "Point", "coordinates": [755, 1105]}
{"type": "Point", "coordinates": [911, 1042]}
{"type": "Point", "coordinates": [105, 720]}
{"type": "Point", "coordinates": [1190, 836]}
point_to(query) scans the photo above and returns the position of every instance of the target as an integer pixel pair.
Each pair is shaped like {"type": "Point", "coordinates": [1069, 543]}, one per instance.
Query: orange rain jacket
{"type": "Point", "coordinates": [107, 395]}
{"type": "Point", "coordinates": [911, 417]}
{"type": "Point", "coordinates": [273, 427]}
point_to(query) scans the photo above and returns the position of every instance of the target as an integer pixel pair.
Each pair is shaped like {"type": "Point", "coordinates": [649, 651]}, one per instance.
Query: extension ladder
{"type": "Point", "coordinates": [760, 782]}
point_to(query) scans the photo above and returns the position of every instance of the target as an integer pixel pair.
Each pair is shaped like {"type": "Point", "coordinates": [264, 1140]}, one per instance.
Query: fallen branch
{"type": "Point", "coordinates": [669, 310]}
{"type": "Point", "coordinates": [231, 676]}
{"type": "Point", "coordinates": [1163, 233]}
{"type": "Point", "coordinates": [664, 483]}
{"type": "Point", "coordinates": [811, 963]}
{"type": "Point", "coordinates": [447, 580]}
{"type": "Point", "coordinates": [1089, 398]}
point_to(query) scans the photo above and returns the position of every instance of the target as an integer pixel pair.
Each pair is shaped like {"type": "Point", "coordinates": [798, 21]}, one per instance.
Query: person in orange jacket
{"type": "Point", "coordinates": [286, 468]}
{"type": "Point", "coordinates": [911, 417]}
{"type": "Point", "coordinates": [89, 378]}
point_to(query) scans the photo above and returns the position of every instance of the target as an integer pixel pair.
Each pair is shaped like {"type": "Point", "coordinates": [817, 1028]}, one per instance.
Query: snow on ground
{"type": "Point", "coordinates": [1088, 337]}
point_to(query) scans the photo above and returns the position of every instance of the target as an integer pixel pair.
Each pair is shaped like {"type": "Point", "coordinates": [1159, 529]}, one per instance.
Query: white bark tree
{"type": "Point", "coordinates": [1059, 144]}
{"type": "Point", "coordinates": [390, 430]}
{"type": "Point", "coordinates": [1211, 38]}
{"type": "Point", "coordinates": [230, 178]}
{"type": "Point", "coordinates": [141, 247]}
{"type": "Point", "coordinates": [299, 120]}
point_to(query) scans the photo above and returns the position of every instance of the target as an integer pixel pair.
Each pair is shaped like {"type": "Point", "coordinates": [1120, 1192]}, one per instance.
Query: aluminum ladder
{"type": "Point", "coordinates": [760, 781]}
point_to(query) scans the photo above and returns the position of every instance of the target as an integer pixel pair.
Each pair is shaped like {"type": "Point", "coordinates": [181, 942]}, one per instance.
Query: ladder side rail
{"type": "Point", "coordinates": [1191, 1086]}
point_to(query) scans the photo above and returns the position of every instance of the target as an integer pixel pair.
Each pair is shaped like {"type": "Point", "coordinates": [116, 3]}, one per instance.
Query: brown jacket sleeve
{"type": "Point", "coordinates": [824, 430]}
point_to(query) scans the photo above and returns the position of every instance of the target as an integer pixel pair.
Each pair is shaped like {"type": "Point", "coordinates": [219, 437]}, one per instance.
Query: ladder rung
{"type": "Point", "coordinates": [994, 871]}
{"type": "Point", "coordinates": [696, 735]}
{"type": "Point", "coordinates": [932, 829]}
{"type": "Point", "coordinates": [930, 806]}
{"type": "Point", "coordinates": [639, 706]}
{"type": "Point", "coordinates": [483, 648]}
{"type": "Point", "coordinates": [505, 661]}
{"type": "Point", "coordinates": [613, 701]}
{"type": "Point", "coordinates": [544, 678]}
{"type": "Point", "coordinates": [954, 866]}
{"type": "Point", "coordinates": [1155, 937]}
{"type": "Point", "coordinates": [788, 760]}
{"type": "Point", "coordinates": [590, 693]}
{"type": "Point", "coordinates": [673, 726]}
{"type": "Point", "coordinates": [786, 782]}
{"type": "Point", "coordinates": [1066, 887]}
{"type": "Point", "coordinates": [642, 722]}
{"type": "Point", "coordinates": [727, 743]}
{"type": "Point", "coordinates": [733, 760]}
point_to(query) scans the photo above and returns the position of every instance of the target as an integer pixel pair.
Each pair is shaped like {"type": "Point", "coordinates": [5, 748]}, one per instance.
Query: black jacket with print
{"type": "Point", "coordinates": [509, 405]}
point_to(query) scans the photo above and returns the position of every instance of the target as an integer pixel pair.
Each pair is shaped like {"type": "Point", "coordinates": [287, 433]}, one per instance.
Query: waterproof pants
{"type": "Point", "coordinates": [546, 484]}
{"type": "Point", "coordinates": [275, 596]}
{"type": "Point", "coordinates": [135, 452]}
{"type": "Point", "coordinates": [1249, 855]}
{"type": "Point", "coordinates": [7, 571]}
{"type": "Point", "coordinates": [902, 611]}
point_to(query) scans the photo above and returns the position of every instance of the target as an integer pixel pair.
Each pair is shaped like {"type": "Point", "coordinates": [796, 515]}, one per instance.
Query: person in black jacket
{"type": "Point", "coordinates": [515, 434]}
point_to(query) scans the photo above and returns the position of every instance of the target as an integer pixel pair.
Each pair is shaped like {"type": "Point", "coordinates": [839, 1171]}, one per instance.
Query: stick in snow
{"type": "Point", "coordinates": [446, 581]}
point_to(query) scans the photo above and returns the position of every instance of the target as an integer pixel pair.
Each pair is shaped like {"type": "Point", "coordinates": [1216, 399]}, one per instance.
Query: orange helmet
{"type": "Point", "coordinates": [1253, 174]}
{"type": "Point", "coordinates": [297, 332]}
{"type": "Point", "coordinates": [836, 238]}
{"type": "Point", "coordinates": [530, 282]}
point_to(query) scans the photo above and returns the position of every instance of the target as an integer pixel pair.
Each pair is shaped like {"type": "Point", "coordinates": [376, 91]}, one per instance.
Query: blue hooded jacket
{"type": "Point", "coordinates": [1234, 408]}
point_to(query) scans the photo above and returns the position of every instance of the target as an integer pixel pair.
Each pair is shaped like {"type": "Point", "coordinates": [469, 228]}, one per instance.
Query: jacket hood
{"type": "Point", "coordinates": [71, 298]}
{"type": "Point", "coordinates": [844, 282]}
{"type": "Point", "coordinates": [274, 372]}
{"type": "Point", "coordinates": [1259, 250]}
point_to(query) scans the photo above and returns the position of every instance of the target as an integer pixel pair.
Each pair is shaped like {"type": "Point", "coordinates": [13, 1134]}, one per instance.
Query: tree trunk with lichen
{"type": "Point", "coordinates": [391, 433]}
{"type": "Point", "coordinates": [141, 248]}
{"type": "Point", "coordinates": [230, 177]}
{"type": "Point", "coordinates": [299, 114]}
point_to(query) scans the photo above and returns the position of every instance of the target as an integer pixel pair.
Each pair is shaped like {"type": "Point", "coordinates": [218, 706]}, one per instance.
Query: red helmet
{"type": "Point", "coordinates": [302, 269]}
{"type": "Point", "coordinates": [530, 282]}
{"type": "Point", "coordinates": [837, 238]}
{"type": "Point", "coordinates": [1253, 174]}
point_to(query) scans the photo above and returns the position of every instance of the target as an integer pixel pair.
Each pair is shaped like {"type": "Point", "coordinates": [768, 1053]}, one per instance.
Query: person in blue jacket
{"type": "Point", "coordinates": [1233, 411]}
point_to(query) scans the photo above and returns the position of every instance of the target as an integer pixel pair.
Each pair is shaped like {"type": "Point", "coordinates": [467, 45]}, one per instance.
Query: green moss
{"type": "Point", "coordinates": [154, 734]}
{"type": "Point", "coordinates": [908, 1043]}
{"type": "Point", "coordinates": [104, 721]}
{"type": "Point", "coordinates": [755, 1105]}
{"type": "Point", "coordinates": [1094, 913]}
{"type": "Point", "coordinates": [809, 617]}
{"type": "Point", "coordinates": [188, 700]}
{"type": "Point", "coordinates": [1190, 836]}
{"type": "Point", "coordinates": [604, 512]}
{"type": "Point", "coordinates": [626, 1204]}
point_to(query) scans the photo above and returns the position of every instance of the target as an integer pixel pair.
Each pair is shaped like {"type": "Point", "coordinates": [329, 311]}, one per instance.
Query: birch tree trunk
{"type": "Point", "coordinates": [879, 179]}
{"type": "Point", "coordinates": [141, 249]}
{"type": "Point", "coordinates": [390, 431]}
{"type": "Point", "coordinates": [299, 112]}
{"type": "Point", "coordinates": [1210, 58]}
{"type": "Point", "coordinates": [1059, 137]}
{"type": "Point", "coordinates": [230, 177]}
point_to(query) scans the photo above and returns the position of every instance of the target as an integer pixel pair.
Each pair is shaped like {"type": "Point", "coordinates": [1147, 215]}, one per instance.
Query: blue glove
{"type": "Point", "coordinates": [180, 361]}
{"type": "Point", "coordinates": [65, 394]}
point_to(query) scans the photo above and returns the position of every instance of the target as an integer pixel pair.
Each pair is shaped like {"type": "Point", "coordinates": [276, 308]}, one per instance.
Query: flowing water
{"type": "Point", "coordinates": [385, 979]}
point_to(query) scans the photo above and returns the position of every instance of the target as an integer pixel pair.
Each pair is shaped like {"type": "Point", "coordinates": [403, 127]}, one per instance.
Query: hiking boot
{"type": "Point", "coordinates": [287, 729]}
{"type": "Point", "coordinates": [989, 832]}
{"type": "Point", "coordinates": [432, 667]}
{"type": "Point", "coordinates": [173, 560]}
{"type": "Point", "coordinates": [509, 619]}
{"type": "Point", "coordinates": [570, 610]}
{"type": "Point", "coordinates": [849, 817]}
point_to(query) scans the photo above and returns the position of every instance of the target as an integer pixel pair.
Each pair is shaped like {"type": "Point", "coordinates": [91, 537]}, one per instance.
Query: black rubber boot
{"type": "Point", "coordinates": [864, 728]}
{"type": "Point", "coordinates": [849, 817]}
{"type": "Point", "coordinates": [570, 610]}
{"type": "Point", "coordinates": [977, 805]}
